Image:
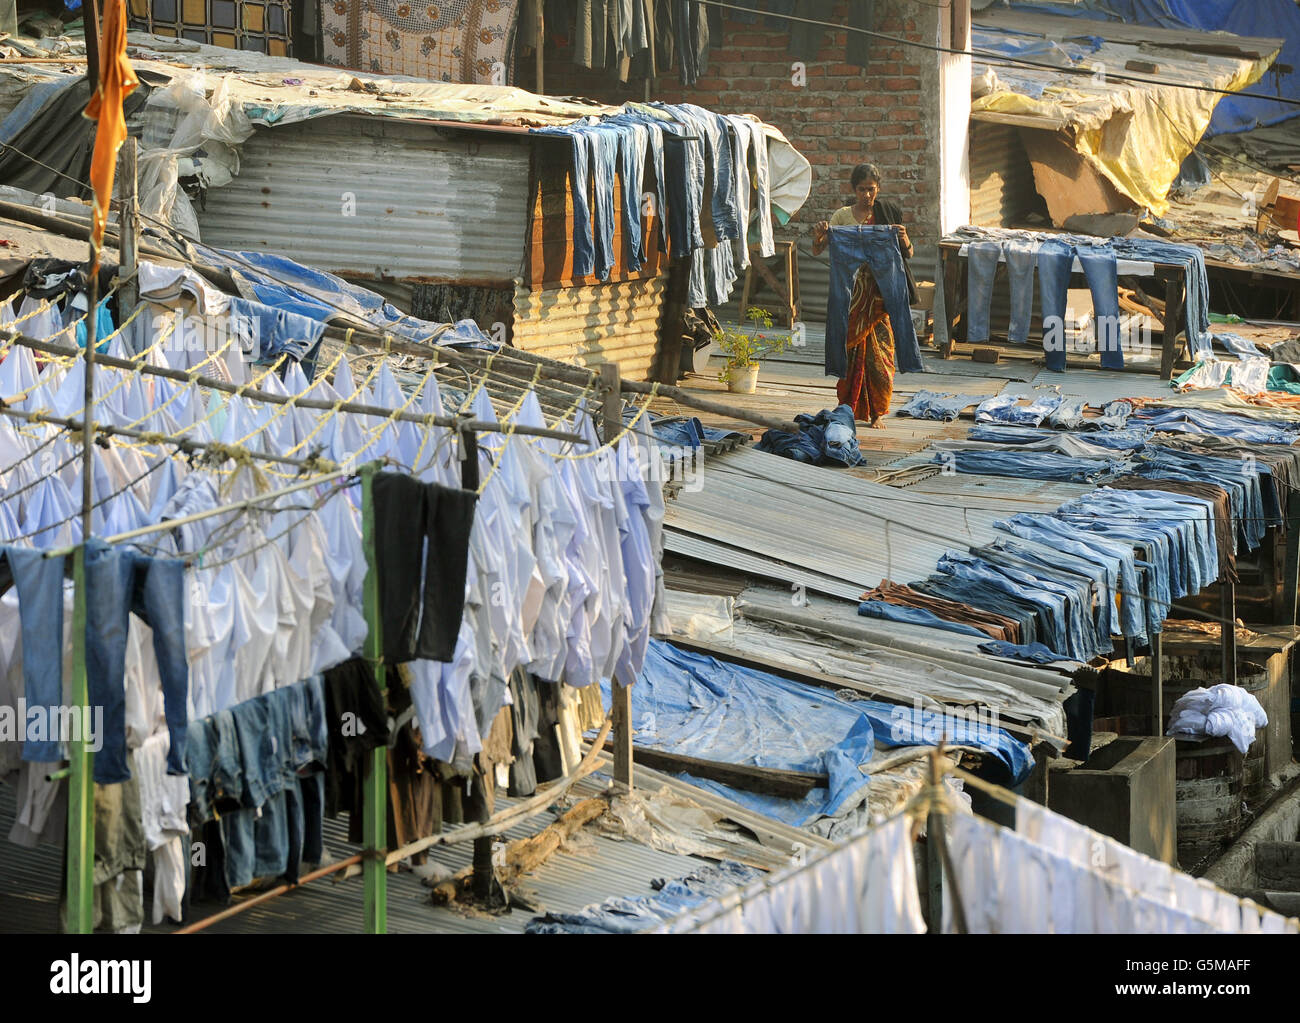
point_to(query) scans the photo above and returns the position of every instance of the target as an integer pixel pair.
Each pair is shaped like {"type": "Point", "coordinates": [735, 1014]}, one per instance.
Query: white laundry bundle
{"type": "Point", "coordinates": [1222, 710]}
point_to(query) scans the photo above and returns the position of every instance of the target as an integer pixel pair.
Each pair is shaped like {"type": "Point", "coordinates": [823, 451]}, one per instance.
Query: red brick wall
{"type": "Point", "coordinates": [843, 116]}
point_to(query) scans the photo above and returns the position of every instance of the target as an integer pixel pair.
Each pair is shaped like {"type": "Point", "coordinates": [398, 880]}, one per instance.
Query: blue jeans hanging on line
{"type": "Point", "coordinates": [1020, 256]}
{"type": "Point", "coordinates": [120, 580]}
{"type": "Point", "coordinates": [39, 581]}
{"type": "Point", "coordinates": [1055, 263]}
{"type": "Point", "coordinates": [981, 269]}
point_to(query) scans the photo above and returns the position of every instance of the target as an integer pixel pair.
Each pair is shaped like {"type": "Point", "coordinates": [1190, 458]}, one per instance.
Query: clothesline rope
{"type": "Point", "coordinates": [290, 405]}
{"type": "Point", "coordinates": [319, 503]}
{"type": "Point", "coordinates": [77, 512]}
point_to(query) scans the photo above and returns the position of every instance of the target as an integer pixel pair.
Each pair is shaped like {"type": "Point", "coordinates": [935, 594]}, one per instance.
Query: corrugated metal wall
{"type": "Point", "coordinates": [1001, 178]}
{"type": "Point", "coordinates": [376, 197]}
{"type": "Point", "coordinates": [589, 325]}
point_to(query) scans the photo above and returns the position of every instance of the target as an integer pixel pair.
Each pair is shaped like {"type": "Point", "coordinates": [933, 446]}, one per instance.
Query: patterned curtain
{"type": "Point", "coordinates": [448, 40]}
{"type": "Point", "coordinates": [261, 25]}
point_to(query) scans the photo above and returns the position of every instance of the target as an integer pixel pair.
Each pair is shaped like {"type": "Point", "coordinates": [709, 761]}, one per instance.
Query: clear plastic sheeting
{"type": "Point", "coordinates": [192, 129]}
{"type": "Point", "coordinates": [701, 616]}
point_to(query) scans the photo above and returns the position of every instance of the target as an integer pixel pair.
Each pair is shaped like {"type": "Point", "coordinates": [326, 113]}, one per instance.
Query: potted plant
{"type": "Point", "coordinates": [744, 347]}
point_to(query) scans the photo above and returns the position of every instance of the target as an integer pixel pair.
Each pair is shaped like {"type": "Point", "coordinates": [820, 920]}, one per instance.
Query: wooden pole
{"type": "Point", "coordinates": [80, 881]}
{"type": "Point", "coordinates": [128, 291]}
{"type": "Point", "coordinates": [1291, 574]}
{"type": "Point", "coordinates": [374, 816]}
{"type": "Point", "coordinates": [620, 695]}
{"type": "Point", "coordinates": [541, 45]}
{"type": "Point", "coordinates": [1228, 629]}
{"type": "Point", "coordinates": [484, 775]}
{"type": "Point", "coordinates": [90, 20]}
{"type": "Point", "coordinates": [1158, 682]}
{"type": "Point", "coordinates": [80, 858]}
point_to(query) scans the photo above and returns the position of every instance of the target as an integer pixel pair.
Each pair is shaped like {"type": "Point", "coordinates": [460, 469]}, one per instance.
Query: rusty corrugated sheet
{"type": "Point", "coordinates": [1001, 178]}
{"type": "Point", "coordinates": [378, 198]}
{"type": "Point", "coordinates": [589, 325]}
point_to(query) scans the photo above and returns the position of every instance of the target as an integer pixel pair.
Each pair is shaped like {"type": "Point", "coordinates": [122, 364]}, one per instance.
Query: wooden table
{"type": "Point", "coordinates": [1172, 275]}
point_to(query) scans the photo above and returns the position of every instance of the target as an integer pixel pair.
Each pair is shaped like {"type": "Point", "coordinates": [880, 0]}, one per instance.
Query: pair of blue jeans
{"type": "Point", "coordinates": [39, 581]}
{"type": "Point", "coordinates": [595, 151]}
{"type": "Point", "coordinates": [1055, 264]}
{"type": "Point", "coordinates": [943, 407]}
{"type": "Point", "coordinates": [982, 259]}
{"type": "Point", "coordinates": [713, 274]}
{"type": "Point", "coordinates": [851, 247]}
{"type": "Point", "coordinates": [631, 169]}
{"type": "Point", "coordinates": [684, 170]}
{"type": "Point", "coordinates": [215, 768]}
{"type": "Point", "coordinates": [1005, 408]}
{"type": "Point", "coordinates": [119, 581]}
{"type": "Point", "coordinates": [1197, 300]}
{"type": "Point", "coordinates": [721, 156]}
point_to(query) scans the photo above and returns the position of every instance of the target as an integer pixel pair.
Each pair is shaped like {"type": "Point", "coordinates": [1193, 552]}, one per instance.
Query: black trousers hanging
{"type": "Point", "coordinates": [422, 556]}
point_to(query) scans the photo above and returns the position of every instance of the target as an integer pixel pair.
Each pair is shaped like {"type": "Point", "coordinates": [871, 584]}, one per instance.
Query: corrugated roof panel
{"type": "Point", "coordinates": [617, 322]}
{"type": "Point", "coordinates": [1002, 186]}
{"type": "Point", "coordinates": [370, 196]}
{"type": "Point", "coordinates": [596, 869]}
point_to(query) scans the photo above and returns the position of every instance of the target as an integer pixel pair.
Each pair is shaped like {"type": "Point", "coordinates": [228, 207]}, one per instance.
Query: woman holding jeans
{"type": "Point", "coordinates": [870, 381]}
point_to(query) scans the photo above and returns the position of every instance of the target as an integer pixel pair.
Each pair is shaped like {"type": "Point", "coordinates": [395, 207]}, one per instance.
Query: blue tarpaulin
{"type": "Point", "coordinates": [698, 706]}
{"type": "Point", "coordinates": [286, 285]}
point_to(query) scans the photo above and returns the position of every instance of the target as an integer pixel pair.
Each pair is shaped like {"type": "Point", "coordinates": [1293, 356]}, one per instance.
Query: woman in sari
{"type": "Point", "coordinates": [870, 381]}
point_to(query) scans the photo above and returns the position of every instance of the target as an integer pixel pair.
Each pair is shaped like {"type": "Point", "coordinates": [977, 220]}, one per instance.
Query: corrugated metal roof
{"type": "Point", "coordinates": [595, 869]}
{"type": "Point", "coordinates": [715, 553]}
{"type": "Point", "coordinates": [1002, 187]}
{"type": "Point", "coordinates": [616, 322]}
{"type": "Point", "coordinates": [407, 202]}
{"type": "Point", "coordinates": [282, 90]}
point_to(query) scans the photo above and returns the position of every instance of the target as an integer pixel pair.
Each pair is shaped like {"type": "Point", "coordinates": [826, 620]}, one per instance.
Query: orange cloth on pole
{"type": "Point", "coordinates": [116, 81]}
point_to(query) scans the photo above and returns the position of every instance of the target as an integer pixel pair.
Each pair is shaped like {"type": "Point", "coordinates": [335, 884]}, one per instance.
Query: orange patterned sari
{"type": "Point", "coordinates": [870, 381]}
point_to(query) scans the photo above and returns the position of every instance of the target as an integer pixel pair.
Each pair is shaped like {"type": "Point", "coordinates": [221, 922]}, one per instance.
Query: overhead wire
{"type": "Point", "coordinates": [996, 59]}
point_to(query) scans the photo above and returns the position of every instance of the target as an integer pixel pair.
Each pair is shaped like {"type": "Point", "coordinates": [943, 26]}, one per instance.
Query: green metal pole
{"type": "Point", "coordinates": [374, 815]}
{"type": "Point", "coordinates": [81, 788]}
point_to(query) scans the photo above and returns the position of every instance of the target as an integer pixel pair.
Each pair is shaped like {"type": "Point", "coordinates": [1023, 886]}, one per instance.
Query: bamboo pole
{"type": "Point", "coordinates": [182, 444]}
{"type": "Point", "coordinates": [374, 816]}
{"type": "Point", "coordinates": [80, 853]}
{"type": "Point", "coordinates": [376, 411]}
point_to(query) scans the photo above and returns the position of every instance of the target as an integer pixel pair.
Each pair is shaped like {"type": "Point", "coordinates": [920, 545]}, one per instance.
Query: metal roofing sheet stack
{"type": "Point", "coordinates": [829, 530]}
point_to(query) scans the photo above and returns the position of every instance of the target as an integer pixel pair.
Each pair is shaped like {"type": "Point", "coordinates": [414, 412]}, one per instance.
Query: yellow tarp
{"type": "Point", "coordinates": [1135, 135]}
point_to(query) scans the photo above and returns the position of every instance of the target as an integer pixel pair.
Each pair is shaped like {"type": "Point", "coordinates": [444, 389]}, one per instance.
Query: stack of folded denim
{"type": "Point", "coordinates": [1221, 424]}
{"type": "Point", "coordinates": [1005, 408]}
{"type": "Point", "coordinates": [1106, 564]}
{"type": "Point", "coordinates": [893, 602]}
{"type": "Point", "coordinates": [943, 407]}
{"type": "Point", "coordinates": [1038, 465]}
{"type": "Point", "coordinates": [1240, 478]}
{"type": "Point", "coordinates": [1028, 437]}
